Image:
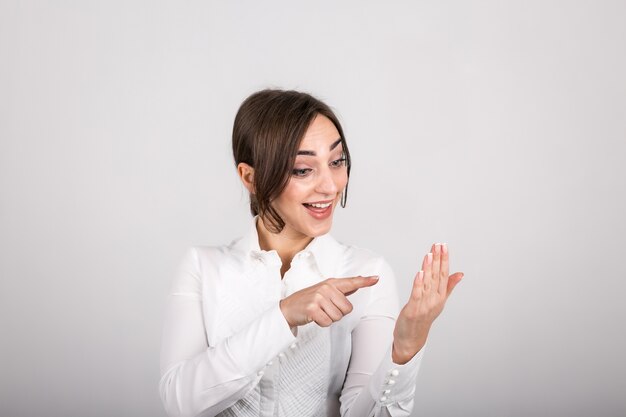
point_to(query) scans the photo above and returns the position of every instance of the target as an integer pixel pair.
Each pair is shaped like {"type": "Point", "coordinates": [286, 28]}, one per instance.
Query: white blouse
{"type": "Point", "coordinates": [227, 350]}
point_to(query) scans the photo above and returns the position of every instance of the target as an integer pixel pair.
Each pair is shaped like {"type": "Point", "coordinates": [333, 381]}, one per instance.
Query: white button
{"type": "Point", "coordinates": [260, 373]}
{"type": "Point", "coordinates": [270, 363]}
{"type": "Point", "coordinates": [293, 346]}
{"type": "Point", "coordinates": [383, 398]}
{"type": "Point", "coordinates": [387, 391]}
{"type": "Point", "coordinates": [281, 355]}
{"type": "Point", "coordinates": [391, 382]}
{"type": "Point", "coordinates": [394, 372]}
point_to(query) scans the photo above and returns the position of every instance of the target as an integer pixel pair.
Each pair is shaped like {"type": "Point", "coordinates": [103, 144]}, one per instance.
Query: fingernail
{"type": "Point", "coordinates": [430, 257]}
{"type": "Point", "coordinates": [376, 277]}
{"type": "Point", "coordinates": [420, 275]}
{"type": "Point", "coordinates": [444, 248]}
{"type": "Point", "coordinates": [437, 248]}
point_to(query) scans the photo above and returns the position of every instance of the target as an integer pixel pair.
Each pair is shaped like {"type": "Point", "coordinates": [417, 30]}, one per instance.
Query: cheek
{"type": "Point", "coordinates": [342, 179]}
{"type": "Point", "coordinates": [294, 193]}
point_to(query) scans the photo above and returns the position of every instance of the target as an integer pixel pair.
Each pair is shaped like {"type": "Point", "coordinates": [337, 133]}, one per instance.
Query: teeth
{"type": "Point", "coordinates": [318, 205]}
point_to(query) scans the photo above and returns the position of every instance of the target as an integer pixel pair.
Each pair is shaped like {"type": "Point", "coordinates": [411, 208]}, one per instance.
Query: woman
{"type": "Point", "coordinates": [287, 321]}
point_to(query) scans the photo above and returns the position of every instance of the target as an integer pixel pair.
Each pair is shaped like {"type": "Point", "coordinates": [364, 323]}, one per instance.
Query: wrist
{"type": "Point", "coordinates": [282, 307]}
{"type": "Point", "coordinates": [401, 356]}
{"type": "Point", "coordinates": [403, 350]}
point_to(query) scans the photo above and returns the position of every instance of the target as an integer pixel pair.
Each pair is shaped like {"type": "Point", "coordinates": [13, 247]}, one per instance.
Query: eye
{"type": "Point", "coordinates": [302, 172]}
{"type": "Point", "coordinates": [338, 163]}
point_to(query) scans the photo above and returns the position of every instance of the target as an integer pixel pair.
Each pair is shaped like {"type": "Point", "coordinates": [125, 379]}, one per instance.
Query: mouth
{"type": "Point", "coordinates": [319, 209]}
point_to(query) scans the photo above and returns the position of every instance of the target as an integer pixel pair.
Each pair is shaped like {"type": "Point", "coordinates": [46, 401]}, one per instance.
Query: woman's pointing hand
{"type": "Point", "coordinates": [324, 303]}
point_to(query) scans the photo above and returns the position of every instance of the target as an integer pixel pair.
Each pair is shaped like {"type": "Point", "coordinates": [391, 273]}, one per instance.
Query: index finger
{"type": "Point", "coordinates": [349, 285]}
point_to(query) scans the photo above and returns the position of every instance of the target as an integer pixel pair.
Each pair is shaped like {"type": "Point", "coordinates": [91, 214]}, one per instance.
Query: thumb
{"type": "Point", "coordinates": [452, 281]}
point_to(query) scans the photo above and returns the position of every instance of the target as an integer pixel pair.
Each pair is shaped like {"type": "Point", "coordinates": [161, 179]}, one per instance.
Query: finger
{"type": "Point", "coordinates": [427, 267]}
{"type": "Point", "coordinates": [322, 319]}
{"type": "Point", "coordinates": [437, 267]}
{"type": "Point", "coordinates": [350, 285]}
{"type": "Point", "coordinates": [452, 281]}
{"type": "Point", "coordinates": [443, 283]}
{"type": "Point", "coordinates": [418, 286]}
{"type": "Point", "coordinates": [339, 299]}
{"type": "Point", "coordinates": [432, 249]}
{"type": "Point", "coordinates": [331, 309]}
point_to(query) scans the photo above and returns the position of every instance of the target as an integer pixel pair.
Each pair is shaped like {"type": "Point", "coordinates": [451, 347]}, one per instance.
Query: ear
{"type": "Point", "coordinates": [246, 173]}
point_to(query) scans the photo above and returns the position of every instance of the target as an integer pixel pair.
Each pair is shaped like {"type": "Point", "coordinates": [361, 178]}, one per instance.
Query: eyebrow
{"type": "Point", "coordinates": [312, 153]}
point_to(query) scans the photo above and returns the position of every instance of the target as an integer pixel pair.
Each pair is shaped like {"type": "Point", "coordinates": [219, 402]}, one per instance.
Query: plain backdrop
{"type": "Point", "coordinates": [496, 126]}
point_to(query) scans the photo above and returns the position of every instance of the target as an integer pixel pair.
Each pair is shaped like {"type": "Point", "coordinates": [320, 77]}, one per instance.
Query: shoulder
{"type": "Point", "coordinates": [357, 260]}
{"type": "Point", "coordinates": [205, 257]}
{"type": "Point", "coordinates": [201, 264]}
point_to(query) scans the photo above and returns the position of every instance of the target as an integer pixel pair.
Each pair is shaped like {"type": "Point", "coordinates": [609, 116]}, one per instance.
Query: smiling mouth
{"type": "Point", "coordinates": [318, 205]}
{"type": "Point", "coordinates": [320, 210]}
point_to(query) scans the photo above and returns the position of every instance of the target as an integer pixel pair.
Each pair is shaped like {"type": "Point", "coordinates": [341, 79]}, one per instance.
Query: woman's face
{"type": "Point", "coordinates": [320, 174]}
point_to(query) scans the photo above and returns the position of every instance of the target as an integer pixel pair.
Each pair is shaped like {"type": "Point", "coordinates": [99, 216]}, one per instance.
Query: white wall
{"type": "Point", "coordinates": [498, 127]}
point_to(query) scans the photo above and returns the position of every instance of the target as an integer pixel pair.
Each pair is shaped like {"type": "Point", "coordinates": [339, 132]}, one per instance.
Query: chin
{"type": "Point", "coordinates": [319, 229]}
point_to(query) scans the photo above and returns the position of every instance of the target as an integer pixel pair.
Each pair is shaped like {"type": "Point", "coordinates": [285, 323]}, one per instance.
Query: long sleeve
{"type": "Point", "coordinates": [374, 385]}
{"type": "Point", "coordinates": [202, 380]}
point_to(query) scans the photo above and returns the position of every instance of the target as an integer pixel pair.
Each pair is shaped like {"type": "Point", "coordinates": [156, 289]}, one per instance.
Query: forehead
{"type": "Point", "coordinates": [320, 134]}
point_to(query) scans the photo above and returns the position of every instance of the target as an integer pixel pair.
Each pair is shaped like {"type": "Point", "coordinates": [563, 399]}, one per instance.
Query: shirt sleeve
{"type": "Point", "coordinates": [202, 380]}
{"type": "Point", "coordinates": [375, 386]}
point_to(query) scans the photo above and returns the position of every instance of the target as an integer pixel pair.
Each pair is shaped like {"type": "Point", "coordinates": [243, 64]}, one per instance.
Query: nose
{"type": "Point", "coordinates": [326, 183]}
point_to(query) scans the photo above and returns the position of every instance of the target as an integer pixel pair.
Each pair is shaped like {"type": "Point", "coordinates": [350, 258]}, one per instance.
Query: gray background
{"type": "Point", "coordinates": [498, 127]}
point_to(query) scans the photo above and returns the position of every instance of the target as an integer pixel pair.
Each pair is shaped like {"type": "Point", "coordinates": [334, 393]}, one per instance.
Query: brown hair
{"type": "Point", "coordinates": [267, 132]}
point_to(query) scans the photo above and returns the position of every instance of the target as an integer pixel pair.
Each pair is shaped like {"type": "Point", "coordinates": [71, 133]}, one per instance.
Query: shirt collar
{"type": "Point", "coordinates": [325, 250]}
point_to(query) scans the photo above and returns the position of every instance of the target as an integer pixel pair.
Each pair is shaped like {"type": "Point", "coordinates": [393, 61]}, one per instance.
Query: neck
{"type": "Point", "coordinates": [287, 243]}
